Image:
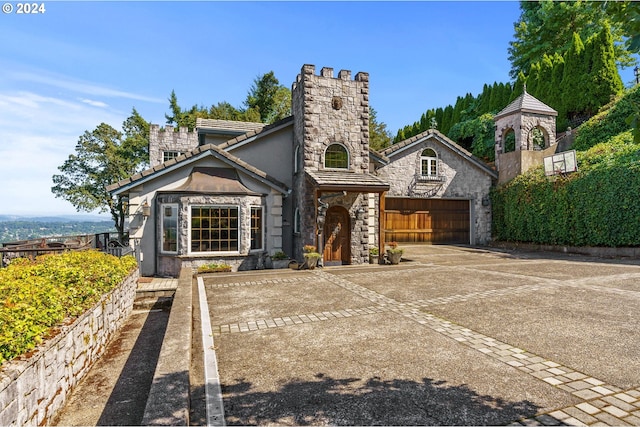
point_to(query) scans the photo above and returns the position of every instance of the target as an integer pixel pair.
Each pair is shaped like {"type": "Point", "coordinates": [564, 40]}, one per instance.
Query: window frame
{"type": "Point", "coordinates": [173, 206]}
{"type": "Point", "coordinates": [296, 221]}
{"type": "Point", "coordinates": [172, 155]}
{"type": "Point", "coordinates": [261, 228]}
{"type": "Point", "coordinates": [346, 150]}
{"type": "Point", "coordinates": [432, 164]}
{"type": "Point", "coordinates": [238, 229]}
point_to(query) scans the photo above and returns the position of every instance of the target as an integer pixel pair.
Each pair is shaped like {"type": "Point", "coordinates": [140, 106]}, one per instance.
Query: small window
{"type": "Point", "coordinates": [296, 159]}
{"type": "Point", "coordinates": [296, 221]}
{"type": "Point", "coordinates": [429, 163]}
{"type": "Point", "coordinates": [214, 229]}
{"type": "Point", "coordinates": [257, 228]}
{"type": "Point", "coordinates": [336, 156]}
{"type": "Point", "coordinates": [169, 232]}
{"type": "Point", "coordinates": [170, 155]}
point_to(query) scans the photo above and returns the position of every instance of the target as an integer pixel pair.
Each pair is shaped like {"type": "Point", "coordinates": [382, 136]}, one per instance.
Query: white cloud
{"type": "Point", "coordinates": [37, 134]}
{"type": "Point", "coordinates": [75, 85]}
{"type": "Point", "coordinates": [93, 103]}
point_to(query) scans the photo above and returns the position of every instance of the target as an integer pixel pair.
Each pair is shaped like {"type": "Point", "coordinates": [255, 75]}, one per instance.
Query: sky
{"type": "Point", "coordinates": [77, 64]}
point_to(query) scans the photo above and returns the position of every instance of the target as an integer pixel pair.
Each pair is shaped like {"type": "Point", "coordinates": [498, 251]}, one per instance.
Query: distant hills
{"type": "Point", "coordinates": [55, 218]}
{"type": "Point", "coordinates": [23, 227]}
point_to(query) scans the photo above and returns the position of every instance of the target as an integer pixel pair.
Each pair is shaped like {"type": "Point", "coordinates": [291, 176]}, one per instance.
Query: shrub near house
{"type": "Point", "coordinates": [36, 296]}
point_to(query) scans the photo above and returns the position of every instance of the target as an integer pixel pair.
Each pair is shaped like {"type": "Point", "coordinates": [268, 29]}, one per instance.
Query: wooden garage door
{"type": "Point", "coordinates": [426, 220]}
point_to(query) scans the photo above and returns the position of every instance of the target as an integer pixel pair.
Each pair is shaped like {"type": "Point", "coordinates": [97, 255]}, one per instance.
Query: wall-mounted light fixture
{"type": "Point", "coordinates": [360, 213]}
{"type": "Point", "coordinates": [146, 209]}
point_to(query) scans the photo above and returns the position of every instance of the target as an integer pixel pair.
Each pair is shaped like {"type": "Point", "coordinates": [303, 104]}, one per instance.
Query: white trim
{"type": "Point", "coordinates": [430, 160]}
{"type": "Point", "coordinates": [151, 174]}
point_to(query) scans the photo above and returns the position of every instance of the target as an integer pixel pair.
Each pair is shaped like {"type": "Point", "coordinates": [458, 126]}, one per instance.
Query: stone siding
{"type": "Point", "coordinates": [161, 140]}
{"type": "Point", "coordinates": [330, 110]}
{"type": "Point", "coordinates": [522, 124]}
{"type": "Point", "coordinates": [245, 258]}
{"type": "Point", "coordinates": [459, 179]}
{"type": "Point", "coordinates": [33, 389]}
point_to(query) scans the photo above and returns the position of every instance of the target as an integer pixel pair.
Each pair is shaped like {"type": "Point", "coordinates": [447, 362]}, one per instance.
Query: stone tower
{"type": "Point", "coordinates": [525, 132]}
{"type": "Point", "coordinates": [332, 112]}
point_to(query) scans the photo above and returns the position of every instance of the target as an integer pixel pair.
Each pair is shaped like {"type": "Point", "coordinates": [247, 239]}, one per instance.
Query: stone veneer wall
{"type": "Point", "coordinates": [522, 124]}
{"type": "Point", "coordinates": [317, 124]}
{"type": "Point", "coordinates": [169, 140]}
{"type": "Point", "coordinates": [34, 389]}
{"type": "Point", "coordinates": [171, 264]}
{"type": "Point", "coordinates": [461, 181]}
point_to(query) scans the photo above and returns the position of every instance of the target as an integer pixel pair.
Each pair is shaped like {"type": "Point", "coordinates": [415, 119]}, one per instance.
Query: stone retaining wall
{"type": "Point", "coordinates": [33, 389]}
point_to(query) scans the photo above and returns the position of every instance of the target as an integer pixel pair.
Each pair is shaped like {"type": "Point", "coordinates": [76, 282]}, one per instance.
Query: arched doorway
{"type": "Point", "coordinates": [337, 236]}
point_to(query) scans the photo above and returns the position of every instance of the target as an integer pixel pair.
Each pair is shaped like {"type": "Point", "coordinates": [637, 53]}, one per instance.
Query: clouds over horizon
{"type": "Point", "coordinates": [39, 128]}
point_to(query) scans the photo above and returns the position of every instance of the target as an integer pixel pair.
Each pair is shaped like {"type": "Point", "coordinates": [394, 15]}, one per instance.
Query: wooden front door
{"type": "Point", "coordinates": [337, 236]}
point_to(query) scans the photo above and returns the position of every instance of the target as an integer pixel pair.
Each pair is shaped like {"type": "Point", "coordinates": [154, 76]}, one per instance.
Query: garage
{"type": "Point", "coordinates": [437, 221]}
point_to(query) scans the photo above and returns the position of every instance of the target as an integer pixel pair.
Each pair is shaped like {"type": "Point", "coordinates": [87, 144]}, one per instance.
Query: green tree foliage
{"type": "Point", "coordinates": [102, 156]}
{"type": "Point", "coordinates": [546, 27]}
{"type": "Point", "coordinates": [379, 136]}
{"type": "Point", "coordinates": [477, 135]}
{"type": "Point", "coordinates": [269, 98]}
{"type": "Point", "coordinates": [604, 78]}
{"type": "Point", "coordinates": [267, 102]}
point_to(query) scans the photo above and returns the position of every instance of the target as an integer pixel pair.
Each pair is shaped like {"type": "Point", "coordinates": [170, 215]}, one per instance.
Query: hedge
{"type": "Point", "coordinates": [597, 206]}
{"type": "Point", "coordinates": [36, 296]}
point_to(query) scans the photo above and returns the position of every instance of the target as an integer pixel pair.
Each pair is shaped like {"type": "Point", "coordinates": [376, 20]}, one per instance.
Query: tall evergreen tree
{"type": "Point", "coordinates": [573, 78]}
{"type": "Point", "coordinates": [605, 80]}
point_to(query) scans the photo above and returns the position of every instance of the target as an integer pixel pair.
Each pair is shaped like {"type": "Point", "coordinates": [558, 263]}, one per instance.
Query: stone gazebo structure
{"type": "Point", "coordinates": [525, 133]}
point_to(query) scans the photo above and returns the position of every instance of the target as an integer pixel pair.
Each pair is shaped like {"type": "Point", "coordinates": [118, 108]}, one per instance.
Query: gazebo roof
{"type": "Point", "coordinates": [526, 103]}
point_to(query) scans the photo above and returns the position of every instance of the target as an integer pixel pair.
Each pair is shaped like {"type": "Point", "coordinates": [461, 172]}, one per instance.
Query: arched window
{"type": "Point", "coordinates": [296, 221]}
{"type": "Point", "coordinates": [296, 159]}
{"type": "Point", "coordinates": [336, 156]}
{"type": "Point", "coordinates": [429, 164]}
{"type": "Point", "coordinates": [537, 139]}
{"type": "Point", "coordinates": [509, 141]}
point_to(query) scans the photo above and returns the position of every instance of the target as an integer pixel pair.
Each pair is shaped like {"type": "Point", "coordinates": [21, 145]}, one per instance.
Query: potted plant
{"type": "Point", "coordinates": [311, 257]}
{"type": "Point", "coordinates": [394, 253]}
{"type": "Point", "coordinates": [374, 255]}
{"type": "Point", "coordinates": [280, 260]}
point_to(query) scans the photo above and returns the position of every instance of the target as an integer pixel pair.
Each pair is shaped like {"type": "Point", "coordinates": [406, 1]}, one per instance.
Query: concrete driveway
{"type": "Point", "coordinates": [451, 336]}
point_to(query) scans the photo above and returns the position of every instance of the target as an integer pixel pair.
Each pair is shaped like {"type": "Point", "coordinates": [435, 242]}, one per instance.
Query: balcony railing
{"type": "Point", "coordinates": [429, 178]}
{"type": "Point", "coordinates": [105, 242]}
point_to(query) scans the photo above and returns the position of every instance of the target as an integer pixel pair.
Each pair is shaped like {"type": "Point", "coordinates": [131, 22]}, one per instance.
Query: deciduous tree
{"type": "Point", "coordinates": [103, 156]}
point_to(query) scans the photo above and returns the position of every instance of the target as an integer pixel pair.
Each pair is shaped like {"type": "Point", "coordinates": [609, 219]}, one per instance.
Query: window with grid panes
{"type": "Point", "coordinates": [214, 229]}
{"type": "Point", "coordinates": [336, 157]}
{"type": "Point", "coordinates": [256, 227]}
{"type": "Point", "coordinates": [169, 228]}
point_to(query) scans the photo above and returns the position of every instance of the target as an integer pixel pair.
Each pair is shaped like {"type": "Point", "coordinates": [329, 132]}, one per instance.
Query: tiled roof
{"type": "Point", "coordinates": [338, 180]}
{"type": "Point", "coordinates": [266, 129]}
{"type": "Point", "coordinates": [527, 103]}
{"type": "Point", "coordinates": [191, 156]}
{"type": "Point", "coordinates": [433, 133]}
{"type": "Point", "coordinates": [227, 125]}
